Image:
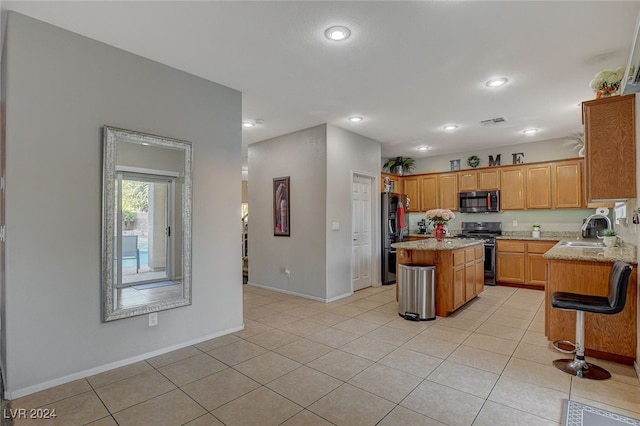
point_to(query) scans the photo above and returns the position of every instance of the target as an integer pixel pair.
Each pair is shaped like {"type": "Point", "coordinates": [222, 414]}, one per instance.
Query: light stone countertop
{"type": "Point", "coordinates": [432, 244]}
{"type": "Point", "coordinates": [544, 236]}
{"type": "Point", "coordinates": [624, 251]}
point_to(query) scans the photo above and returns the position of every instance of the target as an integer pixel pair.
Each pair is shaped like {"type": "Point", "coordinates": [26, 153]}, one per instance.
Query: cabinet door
{"type": "Point", "coordinates": [512, 188]}
{"type": "Point", "coordinates": [538, 186]}
{"type": "Point", "coordinates": [537, 270]}
{"type": "Point", "coordinates": [468, 181]}
{"type": "Point", "coordinates": [458, 286]}
{"type": "Point", "coordinates": [396, 180]}
{"type": "Point", "coordinates": [411, 188]}
{"type": "Point", "coordinates": [567, 185]}
{"type": "Point", "coordinates": [510, 267]}
{"type": "Point", "coordinates": [448, 191]}
{"type": "Point", "coordinates": [479, 276]}
{"type": "Point", "coordinates": [609, 132]}
{"type": "Point", "coordinates": [428, 192]}
{"type": "Point", "coordinates": [488, 179]}
{"type": "Point", "coordinates": [469, 281]}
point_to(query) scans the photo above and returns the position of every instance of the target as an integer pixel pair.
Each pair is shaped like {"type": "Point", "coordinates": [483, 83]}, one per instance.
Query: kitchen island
{"type": "Point", "coordinates": [459, 266]}
{"type": "Point", "coordinates": [586, 271]}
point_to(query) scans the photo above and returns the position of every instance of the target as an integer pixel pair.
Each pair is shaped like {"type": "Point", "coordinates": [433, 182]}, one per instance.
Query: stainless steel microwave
{"type": "Point", "coordinates": [479, 201]}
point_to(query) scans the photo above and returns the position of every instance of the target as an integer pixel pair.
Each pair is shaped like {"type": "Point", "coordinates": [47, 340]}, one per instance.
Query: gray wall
{"type": "Point", "coordinates": [552, 149]}
{"type": "Point", "coordinates": [303, 157]}
{"type": "Point", "coordinates": [348, 152]}
{"type": "Point", "coordinates": [61, 89]}
{"type": "Point", "coordinates": [320, 161]}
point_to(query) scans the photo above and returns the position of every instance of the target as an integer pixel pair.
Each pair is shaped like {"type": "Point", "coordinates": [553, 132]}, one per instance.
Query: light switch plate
{"type": "Point", "coordinates": [153, 319]}
{"type": "Point", "coordinates": [335, 226]}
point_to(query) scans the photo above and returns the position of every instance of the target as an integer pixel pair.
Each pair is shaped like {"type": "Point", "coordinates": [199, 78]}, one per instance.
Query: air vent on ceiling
{"type": "Point", "coordinates": [493, 121]}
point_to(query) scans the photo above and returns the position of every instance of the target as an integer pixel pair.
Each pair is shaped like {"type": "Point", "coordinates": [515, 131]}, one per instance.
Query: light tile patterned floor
{"type": "Point", "coordinates": [350, 362]}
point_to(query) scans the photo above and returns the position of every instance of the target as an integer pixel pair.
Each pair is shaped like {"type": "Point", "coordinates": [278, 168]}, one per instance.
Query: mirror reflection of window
{"type": "Point", "coordinates": [146, 223]}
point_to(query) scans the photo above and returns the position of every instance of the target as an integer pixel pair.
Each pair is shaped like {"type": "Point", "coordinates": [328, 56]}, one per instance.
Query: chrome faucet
{"type": "Point", "coordinates": [593, 216]}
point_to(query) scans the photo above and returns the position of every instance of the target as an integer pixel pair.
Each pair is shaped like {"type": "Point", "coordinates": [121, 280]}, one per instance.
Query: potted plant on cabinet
{"type": "Point", "coordinates": [399, 165]}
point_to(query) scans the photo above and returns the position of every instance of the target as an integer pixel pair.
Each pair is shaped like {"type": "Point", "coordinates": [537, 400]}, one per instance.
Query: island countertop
{"type": "Point", "coordinates": [625, 252]}
{"type": "Point", "coordinates": [431, 244]}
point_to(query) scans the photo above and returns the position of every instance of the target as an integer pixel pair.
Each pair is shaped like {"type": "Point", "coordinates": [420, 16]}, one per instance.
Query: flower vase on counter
{"type": "Point", "coordinates": [439, 232]}
{"type": "Point", "coordinates": [439, 218]}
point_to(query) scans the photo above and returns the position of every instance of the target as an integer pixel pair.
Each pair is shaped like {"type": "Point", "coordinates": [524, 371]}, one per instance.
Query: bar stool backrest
{"type": "Point", "coordinates": [618, 282]}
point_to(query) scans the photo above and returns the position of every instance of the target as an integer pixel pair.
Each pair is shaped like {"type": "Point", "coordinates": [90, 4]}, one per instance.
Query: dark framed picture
{"type": "Point", "coordinates": [281, 207]}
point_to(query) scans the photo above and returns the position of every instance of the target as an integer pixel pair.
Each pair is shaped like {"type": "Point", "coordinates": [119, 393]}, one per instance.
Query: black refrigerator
{"type": "Point", "coordinates": [395, 228]}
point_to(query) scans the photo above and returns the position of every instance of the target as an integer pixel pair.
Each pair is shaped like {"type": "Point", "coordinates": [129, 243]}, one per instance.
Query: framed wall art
{"type": "Point", "coordinates": [281, 207]}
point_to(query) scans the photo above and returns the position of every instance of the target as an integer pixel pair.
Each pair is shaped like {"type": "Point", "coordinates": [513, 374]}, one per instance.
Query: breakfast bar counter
{"type": "Point", "coordinates": [582, 270]}
{"type": "Point", "coordinates": [459, 266]}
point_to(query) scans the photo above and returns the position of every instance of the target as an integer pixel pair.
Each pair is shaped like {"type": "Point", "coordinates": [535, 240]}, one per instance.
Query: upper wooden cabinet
{"type": "Point", "coordinates": [538, 189]}
{"type": "Point", "coordinates": [412, 189]}
{"type": "Point", "coordinates": [566, 183]}
{"type": "Point", "coordinates": [398, 184]}
{"type": "Point", "coordinates": [448, 191]}
{"type": "Point", "coordinates": [609, 133]}
{"type": "Point", "coordinates": [512, 184]}
{"type": "Point", "coordinates": [488, 179]}
{"type": "Point", "coordinates": [468, 180]}
{"type": "Point", "coordinates": [479, 180]}
{"type": "Point", "coordinates": [428, 192]}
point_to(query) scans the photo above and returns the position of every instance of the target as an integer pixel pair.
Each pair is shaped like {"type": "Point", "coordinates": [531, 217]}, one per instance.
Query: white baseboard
{"type": "Point", "coordinates": [291, 293]}
{"type": "Point", "coordinates": [102, 368]}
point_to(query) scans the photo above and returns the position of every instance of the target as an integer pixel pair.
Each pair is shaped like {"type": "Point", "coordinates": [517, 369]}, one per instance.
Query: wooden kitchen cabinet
{"type": "Point", "coordinates": [538, 186]}
{"type": "Point", "coordinates": [457, 278]}
{"type": "Point", "coordinates": [412, 189]}
{"type": "Point", "coordinates": [468, 180]}
{"type": "Point", "coordinates": [510, 261]}
{"type": "Point", "coordinates": [428, 192]}
{"type": "Point", "coordinates": [488, 179]}
{"type": "Point", "coordinates": [448, 191]}
{"type": "Point", "coordinates": [606, 336]}
{"type": "Point", "coordinates": [610, 142]}
{"type": "Point", "coordinates": [566, 181]}
{"type": "Point", "coordinates": [521, 262]}
{"type": "Point", "coordinates": [398, 186]}
{"type": "Point", "coordinates": [536, 265]}
{"type": "Point", "coordinates": [512, 184]}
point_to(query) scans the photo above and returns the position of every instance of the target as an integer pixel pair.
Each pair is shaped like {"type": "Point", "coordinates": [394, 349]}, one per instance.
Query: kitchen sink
{"type": "Point", "coordinates": [583, 244]}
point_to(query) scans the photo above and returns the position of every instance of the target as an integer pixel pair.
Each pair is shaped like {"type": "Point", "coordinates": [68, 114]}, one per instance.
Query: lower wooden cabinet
{"type": "Point", "coordinates": [521, 261]}
{"type": "Point", "coordinates": [606, 336]}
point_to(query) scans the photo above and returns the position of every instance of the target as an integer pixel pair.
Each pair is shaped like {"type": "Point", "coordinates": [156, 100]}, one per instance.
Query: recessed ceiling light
{"type": "Point", "coordinates": [422, 148]}
{"type": "Point", "coordinates": [337, 33]}
{"type": "Point", "coordinates": [355, 119]}
{"type": "Point", "coordinates": [450, 127]}
{"type": "Point", "coordinates": [248, 124]}
{"type": "Point", "coordinates": [497, 82]}
{"type": "Point", "coordinates": [530, 132]}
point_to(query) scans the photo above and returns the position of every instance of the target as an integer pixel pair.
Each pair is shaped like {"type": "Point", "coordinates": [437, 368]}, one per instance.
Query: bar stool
{"type": "Point", "coordinates": [611, 304]}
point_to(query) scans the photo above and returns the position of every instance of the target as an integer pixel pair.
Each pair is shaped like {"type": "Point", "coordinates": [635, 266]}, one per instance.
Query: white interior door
{"type": "Point", "coordinates": [362, 229]}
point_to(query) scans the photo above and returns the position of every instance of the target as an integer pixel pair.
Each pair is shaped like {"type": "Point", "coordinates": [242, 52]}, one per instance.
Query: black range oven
{"type": "Point", "coordinates": [486, 231]}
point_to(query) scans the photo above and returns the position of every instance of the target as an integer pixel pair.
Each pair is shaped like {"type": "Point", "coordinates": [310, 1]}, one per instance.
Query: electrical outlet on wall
{"type": "Point", "coordinates": [515, 222]}
{"type": "Point", "coordinates": [153, 319]}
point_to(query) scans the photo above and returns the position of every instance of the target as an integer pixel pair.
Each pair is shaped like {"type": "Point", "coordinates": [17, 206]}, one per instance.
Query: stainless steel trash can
{"type": "Point", "coordinates": [416, 292]}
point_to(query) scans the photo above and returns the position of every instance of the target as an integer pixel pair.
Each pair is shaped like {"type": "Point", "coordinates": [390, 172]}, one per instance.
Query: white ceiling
{"type": "Point", "coordinates": [408, 67]}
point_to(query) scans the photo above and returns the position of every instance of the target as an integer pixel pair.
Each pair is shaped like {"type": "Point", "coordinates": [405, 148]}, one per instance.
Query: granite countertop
{"type": "Point", "coordinates": [624, 251]}
{"type": "Point", "coordinates": [544, 236]}
{"type": "Point", "coordinates": [433, 244]}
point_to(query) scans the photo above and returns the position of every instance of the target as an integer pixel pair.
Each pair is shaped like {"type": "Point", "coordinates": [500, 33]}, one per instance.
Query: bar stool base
{"type": "Point", "coordinates": [581, 368]}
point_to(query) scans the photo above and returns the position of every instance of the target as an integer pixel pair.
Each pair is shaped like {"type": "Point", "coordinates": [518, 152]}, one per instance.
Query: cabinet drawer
{"type": "Point", "coordinates": [458, 257]}
{"type": "Point", "coordinates": [469, 254]}
{"type": "Point", "coordinates": [540, 247]}
{"type": "Point", "coordinates": [512, 246]}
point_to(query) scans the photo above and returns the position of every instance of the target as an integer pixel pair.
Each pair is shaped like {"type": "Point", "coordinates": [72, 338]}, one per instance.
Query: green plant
{"type": "Point", "coordinates": [535, 226]}
{"type": "Point", "coordinates": [609, 233]}
{"type": "Point", "coordinates": [399, 165]}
